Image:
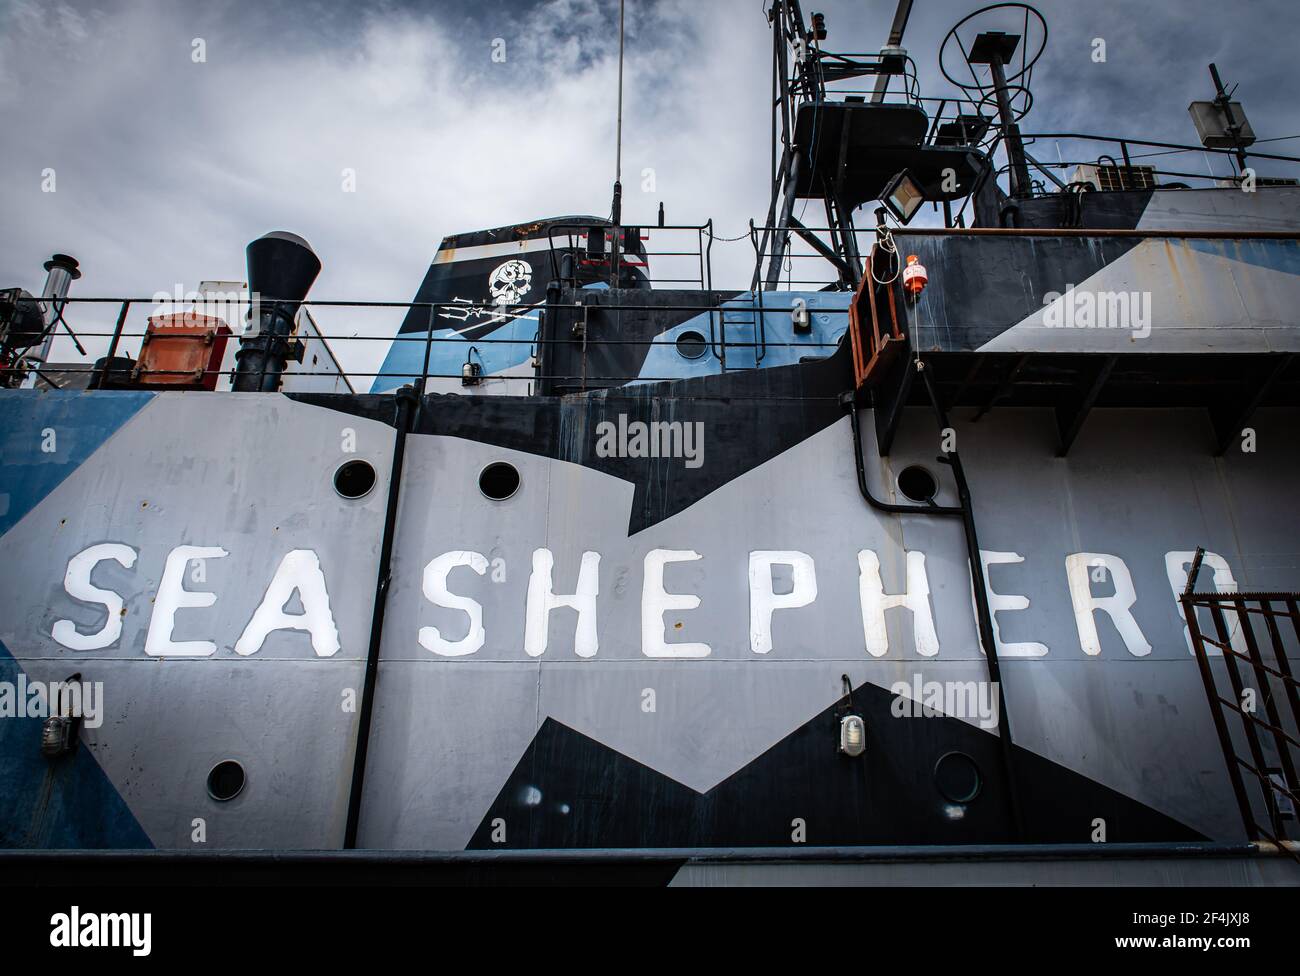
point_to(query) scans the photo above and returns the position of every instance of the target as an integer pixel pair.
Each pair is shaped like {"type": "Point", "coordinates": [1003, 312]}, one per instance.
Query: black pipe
{"type": "Point", "coordinates": [876, 503]}
{"type": "Point", "coordinates": [407, 398]}
{"type": "Point", "coordinates": [1010, 130]}
{"type": "Point", "coordinates": [984, 617]}
{"type": "Point", "coordinates": [281, 265]}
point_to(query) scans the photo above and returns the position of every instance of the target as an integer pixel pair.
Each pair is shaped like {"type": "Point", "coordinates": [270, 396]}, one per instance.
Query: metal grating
{"type": "Point", "coordinates": [1260, 677]}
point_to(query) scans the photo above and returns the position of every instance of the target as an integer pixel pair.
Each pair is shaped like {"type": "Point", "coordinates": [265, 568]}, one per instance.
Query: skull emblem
{"type": "Point", "coordinates": [510, 281]}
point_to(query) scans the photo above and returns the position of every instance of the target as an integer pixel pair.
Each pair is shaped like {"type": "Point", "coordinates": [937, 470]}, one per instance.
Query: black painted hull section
{"type": "Point", "coordinates": [569, 791]}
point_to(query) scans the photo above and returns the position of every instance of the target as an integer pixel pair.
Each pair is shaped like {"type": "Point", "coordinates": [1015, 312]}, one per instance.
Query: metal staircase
{"type": "Point", "coordinates": [1253, 657]}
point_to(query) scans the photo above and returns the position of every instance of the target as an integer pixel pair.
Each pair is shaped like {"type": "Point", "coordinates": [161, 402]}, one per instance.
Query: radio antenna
{"type": "Point", "coordinates": [616, 214]}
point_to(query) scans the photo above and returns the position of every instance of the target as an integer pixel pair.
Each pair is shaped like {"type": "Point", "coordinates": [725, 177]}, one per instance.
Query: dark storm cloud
{"type": "Point", "coordinates": [166, 168]}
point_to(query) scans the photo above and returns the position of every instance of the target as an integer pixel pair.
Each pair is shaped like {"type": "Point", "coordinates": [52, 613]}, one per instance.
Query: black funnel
{"type": "Point", "coordinates": [281, 270]}
{"type": "Point", "coordinates": [281, 267]}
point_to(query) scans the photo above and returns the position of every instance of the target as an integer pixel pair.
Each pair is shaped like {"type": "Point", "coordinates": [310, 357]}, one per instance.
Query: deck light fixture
{"type": "Point", "coordinates": [853, 730]}
{"type": "Point", "coordinates": [853, 736]}
{"type": "Point", "coordinates": [471, 373]}
{"type": "Point", "coordinates": [903, 196]}
{"type": "Point", "coordinates": [59, 731]}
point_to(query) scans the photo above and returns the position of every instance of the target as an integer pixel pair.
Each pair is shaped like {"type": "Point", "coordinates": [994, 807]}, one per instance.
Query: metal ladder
{"type": "Point", "coordinates": [1259, 680]}
{"type": "Point", "coordinates": [747, 351]}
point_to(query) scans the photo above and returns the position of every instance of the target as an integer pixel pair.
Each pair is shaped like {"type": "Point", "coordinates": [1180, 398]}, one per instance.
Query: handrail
{"type": "Point", "coordinates": [95, 364]}
{"type": "Point", "coordinates": [703, 251]}
{"type": "Point", "coordinates": [1122, 140]}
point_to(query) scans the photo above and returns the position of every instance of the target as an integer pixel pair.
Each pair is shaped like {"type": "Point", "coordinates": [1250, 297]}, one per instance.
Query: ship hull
{"type": "Point", "coordinates": [695, 698]}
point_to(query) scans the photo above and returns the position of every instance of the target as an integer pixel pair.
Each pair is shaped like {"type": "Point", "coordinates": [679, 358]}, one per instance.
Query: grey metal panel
{"type": "Point", "coordinates": [1267, 533]}
{"type": "Point", "coordinates": [444, 740]}
{"type": "Point", "coordinates": [169, 722]}
{"type": "Point", "coordinates": [1198, 302]}
{"type": "Point", "coordinates": [1139, 484]}
{"type": "Point", "coordinates": [252, 474]}
{"type": "Point", "coordinates": [249, 473]}
{"type": "Point", "coordinates": [1269, 208]}
{"type": "Point", "coordinates": [708, 725]}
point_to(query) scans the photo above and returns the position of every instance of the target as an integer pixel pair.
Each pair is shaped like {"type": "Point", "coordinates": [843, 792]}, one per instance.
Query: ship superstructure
{"type": "Point", "coordinates": [981, 543]}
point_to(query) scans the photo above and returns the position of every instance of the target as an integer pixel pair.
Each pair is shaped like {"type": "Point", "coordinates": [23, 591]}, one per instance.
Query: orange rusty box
{"type": "Point", "coordinates": [183, 351]}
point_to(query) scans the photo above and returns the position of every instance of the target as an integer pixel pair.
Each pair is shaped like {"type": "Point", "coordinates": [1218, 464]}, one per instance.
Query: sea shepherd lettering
{"type": "Point", "coordinates": [102, 930]}
{"type": "Point", "coordinates": [300, 577]}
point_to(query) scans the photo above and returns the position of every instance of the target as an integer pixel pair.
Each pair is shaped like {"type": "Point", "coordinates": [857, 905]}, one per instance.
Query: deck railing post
{"type": "Point", "coordinates": [113, 342]}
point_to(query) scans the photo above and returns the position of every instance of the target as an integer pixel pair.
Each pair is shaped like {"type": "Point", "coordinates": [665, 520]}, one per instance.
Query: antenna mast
{"type": "Point", "coordinates": [616, 215]}
{"type": "Point", "coordinates": [616, 208]}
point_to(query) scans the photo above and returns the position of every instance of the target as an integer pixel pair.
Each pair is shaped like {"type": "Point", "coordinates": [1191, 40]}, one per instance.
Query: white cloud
{"type": "Point", "coordinates": [166, 168]}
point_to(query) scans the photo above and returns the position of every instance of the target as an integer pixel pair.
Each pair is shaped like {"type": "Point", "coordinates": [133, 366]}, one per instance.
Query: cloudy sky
{"type": "Point", "coordinates": [166, 165]}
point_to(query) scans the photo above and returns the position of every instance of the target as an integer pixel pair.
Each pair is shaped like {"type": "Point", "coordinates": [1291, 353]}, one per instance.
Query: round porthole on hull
{"type": "Point", "coordinates": [917, 483]}
{"type": "Point", "coordinates": [354, 479]}
{"type": "Point", "coordinates": [225, 780]}
{"type": "Point", "coordinates": [498, 481]}
{"type": "Point", "coordinates": [957, 777]}
{"type": "Point", "coordinates": [691, 345]}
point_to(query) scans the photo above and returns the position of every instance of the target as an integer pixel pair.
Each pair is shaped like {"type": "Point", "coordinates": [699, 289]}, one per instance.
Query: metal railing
{"type": "Point", "coordinates": [1257, 680]}
{"type": "Point", "coordinates": [1130, 160]}
{"type": "Point", "coordinates": [828, 71]}
{"type": "Point", "coordinates": [699, 255]}
{"type": "Point", "coordinates": [96, 363]}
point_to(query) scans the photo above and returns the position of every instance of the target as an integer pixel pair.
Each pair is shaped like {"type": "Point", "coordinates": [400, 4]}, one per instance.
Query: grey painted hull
{"type": "Point", "coordinates": [500, 747]}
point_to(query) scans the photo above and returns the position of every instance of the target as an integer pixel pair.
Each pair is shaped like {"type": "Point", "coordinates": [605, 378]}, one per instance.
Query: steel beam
{"type": "Point", "coordinates": [1070, 421]}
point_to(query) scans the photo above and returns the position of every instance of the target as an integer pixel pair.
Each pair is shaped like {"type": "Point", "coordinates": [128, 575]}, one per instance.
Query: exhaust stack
{"type": "Point", "coordinates": [61, 271]}
{"type": "Point", "coordinates": [281, 270]}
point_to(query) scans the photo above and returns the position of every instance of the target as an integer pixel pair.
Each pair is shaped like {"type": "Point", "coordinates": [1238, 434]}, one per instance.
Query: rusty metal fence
{"type": "Point", "coordinates": [1259, 675]}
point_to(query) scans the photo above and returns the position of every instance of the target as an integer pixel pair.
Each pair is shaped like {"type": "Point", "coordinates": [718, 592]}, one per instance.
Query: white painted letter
{"type": "Point", "coordinates": [1078, 572]}
{"type": "Point", "coordinates": [655, 603]}
{"type": "Point", "coordinates": [173, 596]}
{"type": "Point", "coordinates": [871, 592]}
{"type": "Point", "coordinates": [1177, 565]}
{"type": "Point", "coordinates": [435, 590]}
{"type": "Point", "coordinates": [541, 601]}
{"type": "Point", "coordinates": [1005, 602]}
{"type": "Point", "coordinates": [76, 581]}
{"type": "Point", "coordinates": [762, 599]}
{"type": "Point", "coordinates": [299, 570]}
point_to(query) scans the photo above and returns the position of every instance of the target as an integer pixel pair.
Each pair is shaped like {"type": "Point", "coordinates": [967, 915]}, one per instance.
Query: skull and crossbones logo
{"type": "Point", "coordinates": [510, 282]}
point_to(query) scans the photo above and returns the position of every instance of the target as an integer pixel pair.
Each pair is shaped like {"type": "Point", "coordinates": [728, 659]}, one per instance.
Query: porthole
{"type": "Point", "coordinates": [225, 780]}
{"type": "Point", "coordinates": [957, 777]}
{"type": "Point", "coordinates": [498, 481]}
{"type": "Point", "coordinates": [354, 479]}
{"type": "Point", "coordinates": [917, 483]}
{"type": "Point", "coordinates": [691, 345]}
